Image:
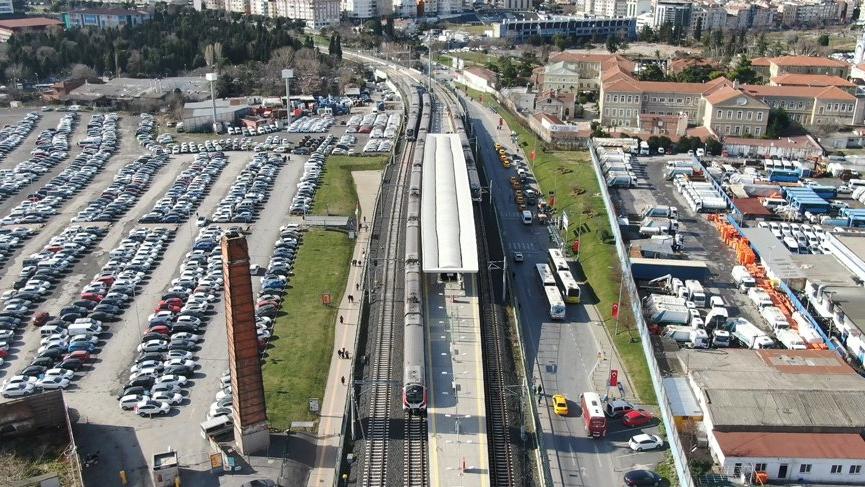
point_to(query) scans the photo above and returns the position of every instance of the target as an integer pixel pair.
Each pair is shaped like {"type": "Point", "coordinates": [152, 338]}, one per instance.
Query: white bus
{"type": "Point", "coordinates": [557, 306]}
{"type": "Point", "coordinates": [568, 286]}
{"type": "Point", "coordinates": [546, 275]}
{"type": "Point", "coordinates": [558, 261]}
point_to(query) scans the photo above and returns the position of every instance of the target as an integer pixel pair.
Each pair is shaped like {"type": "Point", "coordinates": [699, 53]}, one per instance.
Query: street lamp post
{"type": "Point", "coordinates": [211, 77]}
{"type": "Point", "coordinates": [287, 74]}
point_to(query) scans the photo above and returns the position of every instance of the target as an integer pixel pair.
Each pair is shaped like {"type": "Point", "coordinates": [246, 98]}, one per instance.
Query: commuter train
{"type": "Point", "coordinates": [413, 114]}
{"type": "Point", "coordinates": [471, 167]}
{"type": "Point", "coordinates": [414, 396]}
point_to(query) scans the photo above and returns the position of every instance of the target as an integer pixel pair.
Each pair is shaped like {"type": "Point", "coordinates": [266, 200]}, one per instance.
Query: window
{"type": "Point", "coordinates": [737, 129]}
{"type": "Point", "coordinates": [757, 131]}
{"type": "Point", "coordinates": [855, 469]}
{"type": "Point", "coordinates": [835, 107]}
{"type": "Point", "coordinates": [727, 129]}
{"type": "Point", "coordinates": [761, 467]}
{"type": "Point", "coordinates": [801, 105]}
{"type": "Point", "coordinates": [739, 115]}
{"type": "Point", "coordinates": [720, 114]}
{"type": "Point", "coordinates": [663, 99]}
{"type": "Point", "coordinates": [836, 468]}
{"type": "Point", "coordinates": [645, 97]}
{"type": "Point", "coordinates": [730, 114]}
{"type": "Point", "coordinates": [630, 98]}
{"type": "Point", "coordinates": [805, 468]}
{"type": "Point", "coordinates": [679, 101]}
{"type": "Point", "coordinates": [654, 99]}
{"type": "Point", "coordinates": [747, 129]}
{"type": "Point", "coordinates": [688, 100]}
{"type": "Point", "coordinates": [737, 468]}
{"type": "Point", "coordinates": [759, 116]}
{"type": "Point", "coordinates": [749, 115]}
{"type": "Point", "coordinates": [615, 98]}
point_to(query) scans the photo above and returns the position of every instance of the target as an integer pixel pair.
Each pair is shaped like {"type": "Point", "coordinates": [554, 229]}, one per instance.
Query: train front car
{"type": "Point", "coordinates": [413, 115]}
{"type": "Point", "coordinates": [414, 392]}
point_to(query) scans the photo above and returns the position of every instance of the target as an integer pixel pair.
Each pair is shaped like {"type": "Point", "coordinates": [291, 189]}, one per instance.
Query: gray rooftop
{"type": "Point", "coordinates": [777, 390]}
{"type": "Point", "coordinates": [823, 269]}
{"type": "Point", "coordinates": [851, 299]}
{"type": "Point", "coordinates": [774, 253]}
{"type": "Point", "coordinates": [856, 244]}
{"type": "Point", "coordinates": [129, 88]}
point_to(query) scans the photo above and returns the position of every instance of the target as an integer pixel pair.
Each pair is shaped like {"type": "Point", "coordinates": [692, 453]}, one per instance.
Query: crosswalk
{"type": "Point", "coordinates": [522, 246]}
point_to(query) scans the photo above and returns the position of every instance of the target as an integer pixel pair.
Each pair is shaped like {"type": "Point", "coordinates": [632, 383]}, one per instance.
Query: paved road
{"type": "Point", "coordinates": [564, 353]}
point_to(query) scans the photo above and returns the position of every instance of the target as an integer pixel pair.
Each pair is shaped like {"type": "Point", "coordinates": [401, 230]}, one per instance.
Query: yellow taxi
{"type": "Point", "coordinates": [560, 404]}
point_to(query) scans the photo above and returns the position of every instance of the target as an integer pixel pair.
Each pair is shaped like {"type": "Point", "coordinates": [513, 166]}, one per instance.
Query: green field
{"type": "Point", "coordinates": [337, 195]}
{"type": "Point", "coordinates": [476, 29]}
{"type": "Point", "coordinates": [470, 57]}
{"type": "Point", "coordinates": [571, 176]}
{"type": "Point", "coordinates": [296, 367]}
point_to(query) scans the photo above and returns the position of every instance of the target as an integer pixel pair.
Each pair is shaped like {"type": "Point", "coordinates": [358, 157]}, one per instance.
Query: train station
{"type": "Point", "coordinates": [456, 409]}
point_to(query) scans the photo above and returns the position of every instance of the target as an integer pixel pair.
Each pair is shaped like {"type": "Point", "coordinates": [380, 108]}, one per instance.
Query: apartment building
{"type": "Point", "coordinates": [810, 106]}
{"type": "Point", "coordinates": [636, 8]}
{"type": "Point", "coordinates": [770, 67]}
{"type": "Point", "coordinates": [316, 13]}
{"type": "Point", "coordinates": [237, 6]}
{"type": "Point", "coordinates": [606, 8]}
{"type": "Point", "coordinates": [6, 7]}
{"type": "Point", "coordinates": [810, 13]}
{"type": "Point", "coordinates": [360, 9]}
{"type": "Point", "coordinates": [673, 12]}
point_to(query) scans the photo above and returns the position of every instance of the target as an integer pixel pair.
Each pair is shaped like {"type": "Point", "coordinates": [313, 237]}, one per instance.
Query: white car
{"type": "Point", "coordinates": [223, 394]}
{"type": "Point", "coordinates": [179, 361]}
{"type": "Point", "coordinates": [129, 401]}
{"type": "Point", "coordinates": [164, 387]}
{"type": "Point", "coordinates": [178, 380]}
{"type": "Point", "coordinates": [217, 410]}
{"type": "Point", "coordinates": [179, 354]}
{"type": "Point", "coordinates": [172, 398]}
{"type": "Point", "coordinates": [53, 382]}
{"type": "Point", "coordinates": [58, 372]}
{"type": "Point", "coordinates": [184, 335]}
{"type": "Point", "coordinates": [645, 442]}
{"type": "Point", "coordinates": [18, 389]}
{"type": "Point", "coordinates": [148, 407]}
{"type": "Point", "coordinates": [20, 379]}
{"type": "Point", "coordinates": [143, 365]}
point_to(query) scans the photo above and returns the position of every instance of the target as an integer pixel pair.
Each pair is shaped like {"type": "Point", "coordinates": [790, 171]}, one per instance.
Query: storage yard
{"type": "Point", "coordinates": [749, 271]}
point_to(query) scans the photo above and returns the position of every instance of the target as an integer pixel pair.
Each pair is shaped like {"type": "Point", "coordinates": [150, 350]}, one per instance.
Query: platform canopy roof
{"type": "Point", "coordinates": [448, 239]}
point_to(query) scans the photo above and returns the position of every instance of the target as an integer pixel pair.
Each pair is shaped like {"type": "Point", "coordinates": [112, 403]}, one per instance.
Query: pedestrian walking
{"type": "Point", "coordinates": [339, 353]}
{"type": "Point", "coordinates": [346, 354]}
{"type": "Point", "coordinates": [342, 379]}
{"type": "Point", "coordinates": [350, 298]}
{"type": "Point", "coordinates": [341, 319]}
{"type": "Point", "coordinates": [353, 262]}
{"type": "Point", "coordinates": [357, 286]}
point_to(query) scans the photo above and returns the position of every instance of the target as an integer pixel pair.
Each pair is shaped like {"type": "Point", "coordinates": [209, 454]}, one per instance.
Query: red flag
{"type": "Point", "coordinates": [575, 247]}
{"type": "Point", "coordinates": [614, 377]}
{"type": "Point", "coordinates": [533, 156]}
{"type": "Point", "coordinates": [615, 310]}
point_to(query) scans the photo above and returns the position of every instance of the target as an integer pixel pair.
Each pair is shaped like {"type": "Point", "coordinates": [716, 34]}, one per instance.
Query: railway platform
{"type": "Point", "coordinates": [456, 409]}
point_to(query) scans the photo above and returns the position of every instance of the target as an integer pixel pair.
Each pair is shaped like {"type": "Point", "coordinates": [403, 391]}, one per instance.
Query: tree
{"type": "Point", "coordinates": [744, 73]}
{"type": "Point", "coordinates": [652, 72]}
{"type": "Point", "coordinates": [698, 29]}
{"type": "Point", "coordinates": [82, 71]}
{"type": "Point", "coordinates": [660, 141]}
{"type": "Point", "coordinates": [560, 41]}
{"type": "Point", "coordinates": [823, 40]}
{"type": "Point", "coordinates": [696, 74]}
{"type": "Point", "coordinates": [612, 43]}
{"type": "Point", "coordinates": [713, 146]}
{"type": "Point", "coordinates": [779, 123]}
{"type": "Point", "coordinates": [647, 34]}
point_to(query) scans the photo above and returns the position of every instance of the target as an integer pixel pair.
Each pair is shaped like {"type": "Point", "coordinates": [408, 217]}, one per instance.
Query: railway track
{"type": "Point", "coordinates": [375, 472]}
{"type": "Point", "coordinates": [415, 465]}
{"type": "Point", "coordinates": [494, 349]}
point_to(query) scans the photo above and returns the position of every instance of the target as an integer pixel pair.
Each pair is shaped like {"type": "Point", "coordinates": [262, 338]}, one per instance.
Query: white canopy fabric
{"type": "Point", "coordinates": [448, 238]}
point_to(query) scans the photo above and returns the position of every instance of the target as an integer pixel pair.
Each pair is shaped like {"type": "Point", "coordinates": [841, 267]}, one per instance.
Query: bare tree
{"type": "Point", "coordinates": [16, 72]}
{"type": "Point", "coordinates": [209, 55]}
{"type": "Point", "coordinates": [82, 71]}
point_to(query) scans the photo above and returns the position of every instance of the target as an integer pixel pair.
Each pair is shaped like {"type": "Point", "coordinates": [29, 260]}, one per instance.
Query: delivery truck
{"type": "Point", "coordinates": [747, 334]}
{"type": "Point", "coordinates": [687, 336]}
{"type": "Point", "coordinates": [696, 293]}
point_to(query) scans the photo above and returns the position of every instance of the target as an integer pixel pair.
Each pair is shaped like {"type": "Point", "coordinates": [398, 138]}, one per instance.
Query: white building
{"type": "Point", "coordinates": [238, 6]}
{"type": "Point", "coordinates": [814, 13]}
{"type": "Point", "coordinates": [859, 54]}
{"type": "Point", "coordinates": [833, 458]}
{"type": "Point", "coordinates": [360, 9]}
{"type": "Point", "coordinates": [635, 8]}
{"type": "Point", "coordinates": [316, 13]}
{"type": "Point", "coordinates": [606, 8]}
{"type": "Point", "coordinates": [6, 7]}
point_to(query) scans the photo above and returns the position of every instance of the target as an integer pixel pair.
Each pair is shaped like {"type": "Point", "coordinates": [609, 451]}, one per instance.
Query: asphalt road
{"type": "Point", "coordinates": [562, 353]}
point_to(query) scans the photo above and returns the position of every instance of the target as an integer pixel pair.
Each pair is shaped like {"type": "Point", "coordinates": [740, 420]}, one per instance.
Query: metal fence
{"type": "Point", "coordinates": [679, 459]}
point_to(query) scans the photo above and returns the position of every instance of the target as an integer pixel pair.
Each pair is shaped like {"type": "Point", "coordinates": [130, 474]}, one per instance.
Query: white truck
{"type": "Point", "coordinates": [759, 297]}
{"type": "Point", "coordinates": [774, 318]}
{"type": "Point", "coordinates": [658, 226]}
{"type": "Point", "coordinates": [664, 309]}
{"type": "Point", "coordinates": [696, 293]}
{"type": "Point", "coordinates": [717, 317]}
{"type": "Point", "coordinates": [720, 338]}
{"type": "Point", "coordinates": [743, 278]}
{"type": "Point", "coordinates": [663, 211]}
{"type": "Point", "coordinates": [749, 335]}
{"type": "Point", "coordinates": [790, 339]}
{"type": "Point", "coordinates": [685, 335]}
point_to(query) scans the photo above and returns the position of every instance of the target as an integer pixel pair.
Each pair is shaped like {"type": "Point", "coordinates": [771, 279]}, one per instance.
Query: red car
{"type": "Point", "coordinates": [4, 353]}
{"type": "Point", "coordinates": [637, 417]}
{"type": "Point", "coordinates": [41, 318]}
{"type": "Point", "coordinates": [107, 280]}
{"type": "Point", "coordinates": [162, 329]}
{"type": "Point", "coordinates": [163, 306]}
{"type": "Point", "coordinates": [82, 355]}
{"type": "Point", "coordinates": [91, 297]}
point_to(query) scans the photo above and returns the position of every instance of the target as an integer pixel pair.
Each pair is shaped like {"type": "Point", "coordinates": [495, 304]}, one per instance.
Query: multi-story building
{"type": "Point", "coordinates": [606, 8]}
{"type": "Point", "coordinates": [103, 18]}
{"type": "Point", "coordinates": [811, 13]}
{"type": "Point", "coordinates": [237, 6]}
{"type": "Point", "coordinates": [6, 7]}
{"type": "Point", "coordinates": [635, 8]}
{"type": "Point", "coordinates": [518, 5]}
{"type": "Point", "coordinates": [10, 27]}
{"type": "Point", "coordinates": [813, 80]}
{"type": "Point", "coordinates": [728, 111]}
{"type": "Point", "coordinates": [810, 106]}
{"type": "Point", "coordinates": [549, 26]}
{"type": "Point", "coordinates": [771, 67]}
{"type": "Point", "coordinates": [674, 12]}
{"type": "Point", "coordinates": [575, 71]}
{"type": "Point", "coordinates": [360, 9]}
{"type": "Point", "coordinates": [316, 13]}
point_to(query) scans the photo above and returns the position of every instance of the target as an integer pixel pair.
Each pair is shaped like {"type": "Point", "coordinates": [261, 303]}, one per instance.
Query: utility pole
{"type": "Point", "coordinates": [211, 77]}
{"type": "Point", "coordinates": [287, 74]}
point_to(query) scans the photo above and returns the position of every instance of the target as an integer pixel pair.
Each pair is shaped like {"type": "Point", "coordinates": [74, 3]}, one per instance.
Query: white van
{"type": "Point", "coordinates": [82, 329]}
{"type": "Point", "coordinates": [48, 330]}
{"type": "Point", "coordinates": [527, 217]}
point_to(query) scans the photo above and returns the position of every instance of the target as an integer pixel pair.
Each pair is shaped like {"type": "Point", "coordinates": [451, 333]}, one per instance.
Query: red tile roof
{"type": "Point", "coordinates": [28, 22]}
{"type": "Point", "coordinates": [484, 73]}
{"type": "Point", "coordinates": [792, 445]}
{"type": "Point", "coordinates": [822, 93]}
{"type": "Point", "coordinates": [805, 61]}
{"type": "Point", "coordinates": [723, 94]}
{"type": "Point", "coordinates": [795, 79]}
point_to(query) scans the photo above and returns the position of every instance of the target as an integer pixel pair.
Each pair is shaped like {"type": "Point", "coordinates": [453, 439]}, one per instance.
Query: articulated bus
{"type": "Point", "coordinates": [546, 275]}
{"type": "Point", "coordinates": [595, 422]}
{"type": "Point", "coordinates": [557, 306]}
{"type": "Point", "coordinates": [568, 286]}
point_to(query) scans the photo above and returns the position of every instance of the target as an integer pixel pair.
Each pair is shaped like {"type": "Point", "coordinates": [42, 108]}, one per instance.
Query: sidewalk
{"type": "Point", "coordinates": [345, 333]}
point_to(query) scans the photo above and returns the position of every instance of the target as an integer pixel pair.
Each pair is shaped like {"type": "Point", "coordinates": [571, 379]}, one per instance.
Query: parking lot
{"type": "Point", "coordinates": [700, 239]}
{"type": "Point", "coordinates": [148, 258]}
